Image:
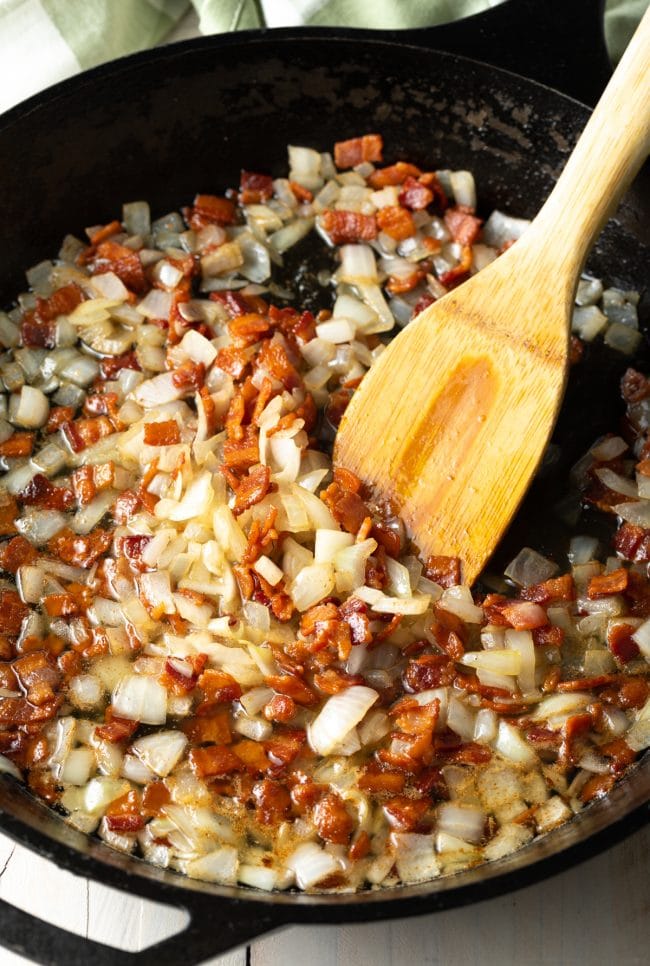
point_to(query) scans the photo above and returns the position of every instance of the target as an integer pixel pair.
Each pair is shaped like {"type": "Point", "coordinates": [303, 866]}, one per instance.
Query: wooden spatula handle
{"type": "Point", "coordinates": [610, 151]}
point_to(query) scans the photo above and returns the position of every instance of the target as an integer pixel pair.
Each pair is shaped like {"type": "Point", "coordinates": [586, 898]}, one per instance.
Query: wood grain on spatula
{"type": "Point", "coordinates": [453, 419]}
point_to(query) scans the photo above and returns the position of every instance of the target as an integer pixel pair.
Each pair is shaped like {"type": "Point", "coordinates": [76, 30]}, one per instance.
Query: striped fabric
{"type": "Point", "coordinates": [43, 41]}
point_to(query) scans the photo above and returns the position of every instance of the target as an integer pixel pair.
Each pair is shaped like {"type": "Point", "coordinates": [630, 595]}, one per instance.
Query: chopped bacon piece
{"type": "Point", "coordinates": [124, 813]}
{"type": "Point", "coordinates": [19, 711]}
{"type": "Point", "coordinates": [470, 753]}
{"type": "Point", "coordinates": [60, 605]}
{"type": "Point", "coordinates": [459, 272]}
{"type": "Point", "coordinates": [12, 612]}
{"type": "Point", "coordinates": [16, 553]}
{"type": "Point", "coordinates": [273, 358]}
{"type": "Point", "coordinates": [101, 234]}
{"type": "Point", "coordinates": [633, 543]}
{"type": "Point", "coordinates": [58, 416]}
{"type": "Point", "coordinates": [165, 433]}
{"type": "Point", "coordinates": [346, 227]}
{"type": "Point", "coordinates": [348, 154]}
{"type": "Point", "coordinates": [154, 798]}
{"type": "Point", "coordinates": [109, 256]}
{"type": "Point", "coordinates": [397, 285]}
{"type": "Point", "coordinates": [234, 360]}
{"type": "Point", "coordinates": [20, 444]}
{"type": "Point", "coordinates": [189, 377]}
{"type": "Point", "coordinates": [557, 588]}
{"type": "Point", "coordinates": [214, 761]}
{"type": "Point", "coordinates": [619, 752]}
{"type": "Point", "coordinates": [284, 748]}
{"type": "Point", "coordinates": [613, 583]}
{"type": "Point", "coordinates": [331, 680]}
{"type": "Point", "coordinates": [443, 570]}
{"type": "Point", "coordinates": [37, 327]}
{"type": "Point", "coordinates": [40, 492]}
{"type": "Point", "coordinates": [463, 224]}
{"type": "Point", "coordinates": [548, 636]}
{"type": "Point", "coordinates": [115, 729]}
{"type": "Point", "coordinates": [348, 509]}
{"type": "Point", "coordinates": [84, 432]}
{"type": "Point", "coordinates": [244, 453]}
{"type": "Point", "coordinates": [300, 193]}
{"type": "Point", "coordinates": [573, 729]}
{"type": "Point", "coordinates": [39, 677]}
{"type": "Point", "coordinates": [213, 727]}
{"type": "Point", "coordinates": [396, 222]}
{"type": "Point", "coordinates": [218, 687]}
{"type": "Point", "coordinates": [272, 801]}
{"type": "Point", "coordinates": [8, 514]}
{"type": "Point", "coordinates": [209, 210]}
{"type": "Point", "coordinates": [628, 692]}
{"type": "Point", "coordinates": [80, 551]}
{"type": "Point", "coordinates": [524, 615]}
{"type": "Point", "coordinates": [393, 175]}
{"type": "Point", "coordinates": [254, 188]}
{"type": "Point", "coordinates": [429, 671]}
{"type": "Point", "coordinates": [406, 814]}
{"type": "Point", "coordinates": [376, 779]}
{"type": "Point", "coordinates": [359, 847]}
{"type": "Point", "coordinates": [620, 643]}
{"type": "Point", "coordinates": [332, 820]}
{"type": "Point", "coordinates": [253, 756]}
{"type": "Point", "coordinates": [293, 686]}
{"type": "Point", "coordinates": [280, 708]}
{"type": "Point", "coordinates": [415, 195]}
{"type": "Point", "coordinates": [596, 787]}
{"type": "Point", "coordinates": [634, 387]}
{"type": "Point", "coordinates": [111, 366]}
{"type": "Point", "coordinates": [252, 489]}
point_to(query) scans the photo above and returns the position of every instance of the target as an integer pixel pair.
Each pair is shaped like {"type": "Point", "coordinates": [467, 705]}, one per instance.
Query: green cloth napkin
{"type": "Point", "coordinates": [43, 41]}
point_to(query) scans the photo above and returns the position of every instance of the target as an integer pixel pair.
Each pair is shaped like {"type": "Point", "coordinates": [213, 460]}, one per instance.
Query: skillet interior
{"type": "Point", "coordinates": [164, 125]}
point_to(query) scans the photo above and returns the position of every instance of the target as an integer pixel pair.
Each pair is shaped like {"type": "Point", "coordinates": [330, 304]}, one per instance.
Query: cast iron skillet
{"type": "Point", "coordinates": [167, 123]}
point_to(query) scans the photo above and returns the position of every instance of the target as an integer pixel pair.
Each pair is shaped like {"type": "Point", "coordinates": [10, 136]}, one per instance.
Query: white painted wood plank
{"type": "Point", "coordinates": [594, 913]}
{"type": "Point", "coordinates": [42, 889]}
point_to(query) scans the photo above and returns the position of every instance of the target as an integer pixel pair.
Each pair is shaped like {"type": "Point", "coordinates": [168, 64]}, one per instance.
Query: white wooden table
{"type": "Point", "coordinates": [596, 913]}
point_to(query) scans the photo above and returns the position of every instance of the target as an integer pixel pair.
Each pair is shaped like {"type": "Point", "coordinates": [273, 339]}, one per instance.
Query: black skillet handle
{"type": "Point", "coordinates": [560, 43]}
{"type": "Point", "coordinates": [211, 930]}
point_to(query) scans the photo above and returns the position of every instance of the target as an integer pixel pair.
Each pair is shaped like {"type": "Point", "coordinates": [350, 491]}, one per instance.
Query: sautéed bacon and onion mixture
{"type": "Point", "coordinates": [221, 655]}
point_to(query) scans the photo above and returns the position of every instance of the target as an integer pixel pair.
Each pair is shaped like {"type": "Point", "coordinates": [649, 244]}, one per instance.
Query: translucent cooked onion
{"type": "Point", "coordinates": [160, 751]}
{"type": "Point", "coordinates": [415, 857]}
{"type": "Point", "coordinates": [530, 567]}
{"type": "Point", "coordinates": [338, 716]}
{"type": "Point", "coordinates": [462, 821]}
{"type": "Point", "coordinates": [311, 864]}
{"type": "Point", "coordinates": [140, 698]}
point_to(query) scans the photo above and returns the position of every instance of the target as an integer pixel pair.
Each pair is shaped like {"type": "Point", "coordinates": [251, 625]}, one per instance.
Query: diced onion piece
{"type": "Point", "coordinates": [464, 188]}
{"type": "Point", "coordinates": [140, 698]}
{"type": "Point", "coordinates": [458, 601]}
{"type": "Point", "coordinates": [461, 719]}
{"type": "Point", "coordinates": [85, 691]}
{"type": "Point", "coordinates": [609, 448]}
{"type": "Point", "coordinates": [638, 737]}
{"type": "Point", "coordinates": [636, 513]}
{"type": "Point", "coordinates": [552, 813]}
{"type": "Point", "coordinates": [507, 839]}
{"type": "Point", "coordinates": [31, 409]}
{"type": "Point", "coordinates": [522, 642]}
{"type": "Point", "coordinates": [496, 661]}
{"type": "Point", "coordinates": [157, 391]}
{"type": "Point", "coordinates": [285, 238]}
{"type": "Point", "coordinates": [311, 864]}
{"type": "Point", "coordinates": [511, 744]}
{"type": "Point", "coordinates": [582, 550]}
{"type": "Point", "coordinates": [198, 348]}
{"type": "Point", "coordinates": [530, 567]}
{"type": "Point", "coordinates": [616, 482]}
{"type": "Point", "coordinates": [336, 331]}
{"type": "Point", "coordinates": [350, 564]}
{"type": "Point", "coordinates": [160, 751]}
{"type": "Point", "coordinates": [463, 821]}
{"type": "Point", "coordinates": [357, 264]}
{"type": "Point", "coordinates": [156, 304]}
{"type": "Point", "coordinates": [623, 338]}
{"type": "Point", "coordinates": [157, 589]}
{"type": "Point", "coordinates": [500, 228]}
{"type": "Point", "coordinates": [312, 584]}
{"type": "Point", "coordinates": [78, 766]}
{"type": "Point", "coordinates": [270, 571]}
{"type": "Point", "coordinates": [328, 543]}
{"type": "Point", "coordinates": [415, 857]}
{"type": "Point", "coordinates": [339, 714]}
{"type": "Point", "coordinates": [7, 767]}
{"type": "Point", "coordinates": [220, 865]}
{"type": "Point", "coordinates": [587, 322]}
{"type": "Point", "coordinates": [40, 525]}
{"type": "Point", "coordinates": [197, 499]}
{"type": "Point", "coordinates": [100, 792]}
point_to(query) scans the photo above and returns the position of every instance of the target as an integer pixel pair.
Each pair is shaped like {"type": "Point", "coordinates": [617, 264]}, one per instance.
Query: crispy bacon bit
{"type": "Point", "coordinates": [217, 687]}
{"type": "Point", "coordinates": [443, 570]}
{"type": "Point", "coordinates": [215, 761]}
{"type": "Point", "coordinates": [293, 686]}
{"type": "Point", "coordinates": [348, 154]}
{"type": "Point", "coordinates": [58, 416]}
{"type": "Point", "coordinates": [626, 693]}
{"type": "Point", "coordinates": [459, 272]}
{"type": "Point", "coordinates": [189, 377]}
{"type": "Point", "coordinates": [406, 814]}
{"type": "Point", "coordinates": [40, 492]}
{"type": "Point", "coordinates": [212, 727]}
{"type": "Point", "coordinates": [242, 454]}
{"type": "Point", "coordinates": [415, 195]}
{"type": "Point", "coordinates": [78, 550]}
{"type": "Point", "coordinates": [252, 489]}
{"type": "Point", "coordinates": [124, 814]}
{"type": "Point", "coordinates": [280, 708]}
{"type": "Point", "coordinates": [16, 553]}
{"type": "Point", "coordinates": [345, 227]}
{"type": "Point", "coordinates": [548, 636]}
{"type": "Point", "coordinates": [576, 350]}
{"type": "Point", "coordinates": [254, 188]}
{"type": "Point", "coordinates": [37, 327]}
{"type": "Point", "coordinates": [620, 643]}
{"type": "Point", "coordinates": [524, 615]}
{"type": "Point", "coordinates": [20, 444]}
{"type": "Point", "coordinates": [634, 387]}
{"type": "Point", "coordinates": [604, 584]}
{"type": "Point", "coordinates": [393, 175]}
{"type": "Point", "coordinates": [165, 433]}
{"type": "Point", "coordinates": [209, 210]}
{"type": "Point", "coordinates": [234, 360]}
{"type": "Point", "coordinates": [429, 671]}
{"type": "Point", "coordinates": [125, 506]}
{"type": "Point", "coordinates": [272, 801]}
{"type": "Point", "coordinates": [8, 514]}
{"type": "Point", "coordinates": [303, 195]}
{"type": "Point", "coordinates": [555, 589]}
{"type": "Point", "coordinates": [38, 676]}
{"type": "Point", "coordinates": [376, 779]}
{"type": "Point", "coordinates": [12, 612]}
{"type": "Point", "coordinates": [396, 222]}
{"type": "Point", "coordinates": [398, 285]}
{"type": "Point", "coordinates": [84, 432]}
{"type": "Point", "coordinates": [332, 820]}
{"type": "Point", "coordinates": [463, 224]}
{"type": "Point", "coordinates": [633, 543]}
{"type": "Point", "coordinates": [111, 366]}
{"type": "Point", "coordinates": [109, 256]}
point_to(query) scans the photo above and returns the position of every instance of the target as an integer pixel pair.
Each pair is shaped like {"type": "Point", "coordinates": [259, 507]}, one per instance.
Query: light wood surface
{"type": "Point", "coordinates": [453, 419]}
{"type": "Point", "coordinates": [594, 914]}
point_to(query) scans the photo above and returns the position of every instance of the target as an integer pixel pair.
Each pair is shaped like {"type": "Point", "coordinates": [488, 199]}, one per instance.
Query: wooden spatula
{"type": "Point", "coordinates": [453, 419]}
